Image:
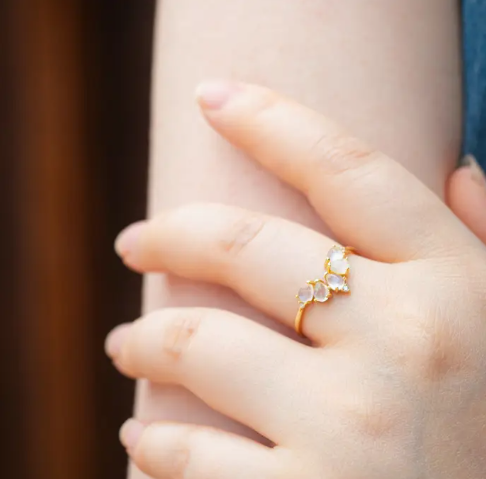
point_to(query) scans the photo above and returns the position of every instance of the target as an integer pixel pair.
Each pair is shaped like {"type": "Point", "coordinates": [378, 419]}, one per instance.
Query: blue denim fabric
{"type": "Point", "coordinates": [474, 28]}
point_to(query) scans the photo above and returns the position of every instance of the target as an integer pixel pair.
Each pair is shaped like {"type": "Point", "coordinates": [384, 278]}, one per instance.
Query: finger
{"type": "Point", "coordinates": [164, 450]}
{"type": "Point", "coordinates": [466, 195]}
{"type": "Point", "coordinates": [266, 260]}
{"type": "Point", "coordinates": [367, 199]}
{"type": "Point", "coordinates": [236, 366]}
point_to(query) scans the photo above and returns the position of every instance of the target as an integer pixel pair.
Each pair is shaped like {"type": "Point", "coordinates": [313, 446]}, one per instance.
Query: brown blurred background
{"type": "Point", "coordinates": [74, 90]}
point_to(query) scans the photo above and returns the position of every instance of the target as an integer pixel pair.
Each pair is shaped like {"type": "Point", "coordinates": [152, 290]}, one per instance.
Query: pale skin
{"type": "Point", "coordinates": [395, 377]}
{"type": "Point", "coordinates": [319, 64]}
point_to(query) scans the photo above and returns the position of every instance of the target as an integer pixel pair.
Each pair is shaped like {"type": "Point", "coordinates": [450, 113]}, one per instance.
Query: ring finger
{"type": "Point", "coordinates": [264, 259]}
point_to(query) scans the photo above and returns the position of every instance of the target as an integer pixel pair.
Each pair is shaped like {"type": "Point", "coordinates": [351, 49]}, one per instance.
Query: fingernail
{"type": "Point", "coordinates": [115, 339]}
{"type": "Point", "coordinates": [127, 240]}
{"type": "Point", "coordinates": [214, 95]}
{"type": "Point", "coordinates": [477, 172]}
{"type": "Point", "coordinates": [130, 433]}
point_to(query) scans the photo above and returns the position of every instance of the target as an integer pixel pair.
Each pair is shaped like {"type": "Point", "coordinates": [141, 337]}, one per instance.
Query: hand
{"type": "Point", "coordinates": [394, 384]}
{"type": "Point", "coordinates": [466, 195]}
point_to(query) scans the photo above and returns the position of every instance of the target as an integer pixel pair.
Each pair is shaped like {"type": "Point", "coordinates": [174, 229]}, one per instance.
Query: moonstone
{"type": "Point", "coordinates": [339, 266]}
{"type": "Point", "coordinates": [336, 252]}
{"type": "Point", "coordinates": [335, 282]}
{"type": "Point", "coordinates": [306, 293]}
{"type": "Point", "coordinates": [321, 292]}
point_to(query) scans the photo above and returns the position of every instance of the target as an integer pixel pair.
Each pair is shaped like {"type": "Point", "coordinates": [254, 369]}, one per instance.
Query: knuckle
{"type": "Point", "coordinates": [241, 233]}
{"type": "Point", "coordinates": [372, 416]}
{"type": "Point", "coordinates": [179, 460]}
{"type": "Point", "coordinates": [430, 342]}
{"type": "Point", "coordinates": [339, 154]}
{"type": "Point", "coordinates": [158, 342]}
{"type": "Point", "coordinates": [180, 330]}
{"type": "Point", "coordinates": [370, 407]}
{"type": "Point", "coordinates": [438, 350]}
{"type": "Point", "coordinates": [181, 454]}
{"type": "Point", "coordinates": [442, 353]}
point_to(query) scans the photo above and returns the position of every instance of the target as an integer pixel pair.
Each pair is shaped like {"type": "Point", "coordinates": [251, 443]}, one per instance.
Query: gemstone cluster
{"type": "Point", "coordinates": [334, 279]}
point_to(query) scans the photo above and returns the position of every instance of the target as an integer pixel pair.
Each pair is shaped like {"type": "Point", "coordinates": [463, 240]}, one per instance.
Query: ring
{"type": "Point", "coordinates": [334, 280]}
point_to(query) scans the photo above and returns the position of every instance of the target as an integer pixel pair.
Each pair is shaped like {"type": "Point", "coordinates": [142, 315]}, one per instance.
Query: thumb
{"type": "Point", "coordinates": [466, 196]}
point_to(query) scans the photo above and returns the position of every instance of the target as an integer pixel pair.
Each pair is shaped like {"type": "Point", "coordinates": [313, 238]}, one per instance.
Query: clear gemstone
{"type": "Point", "coordinates": [346, 288]}
{"type": "Point", "coordinates": [339, 266]}
{"type": "Point", "coordinates": [306, 293]}
{"type": "Point", "coordinates": [336, 252]}
{"type": "Point", "coordinates": [335, 282]}
{"type": "Point", "coordinates": [321, 293]}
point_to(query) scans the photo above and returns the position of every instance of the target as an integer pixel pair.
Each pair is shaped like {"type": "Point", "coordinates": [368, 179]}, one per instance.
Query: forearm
{"type": "Point", "coordinates": [388, 71]}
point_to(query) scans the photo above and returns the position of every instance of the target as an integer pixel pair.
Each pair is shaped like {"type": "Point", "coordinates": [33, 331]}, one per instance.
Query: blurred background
{"type": "Point", "coordinates": [74, 90]}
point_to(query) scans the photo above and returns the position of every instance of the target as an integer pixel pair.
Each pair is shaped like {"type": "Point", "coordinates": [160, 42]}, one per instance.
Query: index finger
{"type": "Point", "coordinates": [369, 200]}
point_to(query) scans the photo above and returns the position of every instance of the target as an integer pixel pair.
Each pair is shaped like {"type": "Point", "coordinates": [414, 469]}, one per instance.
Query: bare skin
{"type": "Point", "coordinates": [393, 382]}
{"type": "Point", "coordinates": [388, 71]}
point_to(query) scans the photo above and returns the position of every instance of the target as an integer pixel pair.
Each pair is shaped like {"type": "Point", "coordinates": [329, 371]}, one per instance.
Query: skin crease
{"type": "Point", "coordinates": [388, 71]}
{"type": "Point", "coordinates": [394, 385]}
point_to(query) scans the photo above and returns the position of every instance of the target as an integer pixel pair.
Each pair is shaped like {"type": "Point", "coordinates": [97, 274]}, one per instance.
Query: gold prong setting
{"type": "Point", "coordinates": [334, 280]}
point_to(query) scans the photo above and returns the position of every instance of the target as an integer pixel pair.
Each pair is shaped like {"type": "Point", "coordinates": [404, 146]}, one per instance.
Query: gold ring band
{"type": "Point", "coordinates": [334, 280]}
